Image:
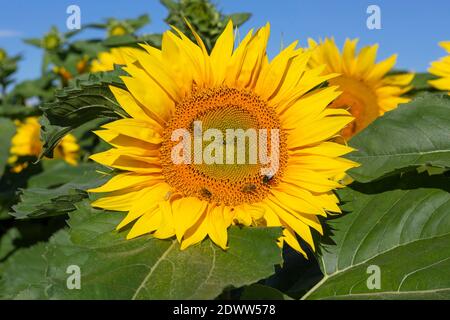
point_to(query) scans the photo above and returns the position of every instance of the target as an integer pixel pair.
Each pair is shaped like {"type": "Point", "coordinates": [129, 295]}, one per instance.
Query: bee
{"type": "Point", "coordinates": [205, 192]}
{"type": "Point", "coordinates": [249, 188]}
{"type": "Point", "coordinates": [267, 179]}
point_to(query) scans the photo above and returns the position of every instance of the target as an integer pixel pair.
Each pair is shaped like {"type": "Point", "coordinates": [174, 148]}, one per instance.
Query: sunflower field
{"type": "Point", "coordinates": [116, 181]}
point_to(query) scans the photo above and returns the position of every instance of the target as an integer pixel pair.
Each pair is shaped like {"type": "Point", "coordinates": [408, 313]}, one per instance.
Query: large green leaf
{"type": "Point", "coordinates": [58, 172]}
{"type": "Point", "coordinates": [51, 194]}
{"type": "Point", "coordinates": [87, 99]}
{"type": "Point", "coordinates": [7, 243]}
{"type": "Point", "coordinates": [415, 134]}
{"type": "Point", "coordinates": [7, 131]}
{"type": "Point", "coordinates": [147, 268]}
{"type": "Point", "coordinates": [23, 275]}
{"type": "Point", "coordinates": [144, 268]}
{"type": "Point", "coordinates": [402, 226]}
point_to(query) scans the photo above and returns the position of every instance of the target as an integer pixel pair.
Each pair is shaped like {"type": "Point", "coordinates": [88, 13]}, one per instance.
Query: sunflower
{"type": "Point", "coordinates": [367, 89]}
{"type": "Point", "coordinates": [182, 84]}
{"type": "Point", "coordinates": [441, 68]}
{"type": "Point", "coordinates": [106, 60]}
{"type": "Point", "coordinates": [26, 143]}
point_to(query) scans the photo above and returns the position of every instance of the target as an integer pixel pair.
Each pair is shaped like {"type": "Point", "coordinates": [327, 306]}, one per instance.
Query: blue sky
{"type": "Point", "coordinates": [410, 28]}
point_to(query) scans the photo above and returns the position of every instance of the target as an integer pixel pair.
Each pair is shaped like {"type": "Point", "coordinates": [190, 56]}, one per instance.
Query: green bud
{"type": "Point", "coordinates": [3, 55]}
{"type": "Point", "coordinates": [52, 41]}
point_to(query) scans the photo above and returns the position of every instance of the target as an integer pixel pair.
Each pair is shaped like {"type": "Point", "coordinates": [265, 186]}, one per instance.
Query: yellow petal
{"type": "Point", "coordinates": [147, 223]}
{"type": "Point", "coordinates": [131, 106]}
{"type": "Point", "coordinates": [196, 233]}
{"type": "Point", "coordinates": [217, 226]}
{"type": "Point", "coordinates": [185, 218]}
{"type": "Point", "coordinates": [127, 180]}
{"type": "Point", "coordinates": [291, 239]}
{"type": "Point", "coordinates": [166, 228]}
{"type": "Point", "coordinates": [147, 201]}
{"type": "Point", "coordinates": [117, 201]}
{"type": "Point", "coordinates": [221, 53]}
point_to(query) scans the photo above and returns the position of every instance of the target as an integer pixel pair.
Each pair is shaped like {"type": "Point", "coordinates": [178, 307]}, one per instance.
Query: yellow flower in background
{"type": "Point", "coordinates": [107, 60]}
{"type": "Point", "coordinates": [367, 89]}
{"type": "Point", "coordinates": [441, 68]}
{"type": "Point", "coordinates": [82, 65]}
{"type": "Point", "coordinates": [182, 84]}
{"type": "Point", "coordinates": [26, 143]}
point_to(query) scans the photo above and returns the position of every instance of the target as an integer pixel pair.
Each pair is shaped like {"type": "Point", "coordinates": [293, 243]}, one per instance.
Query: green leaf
{"type": "Point", "coordinates": [148, 268]}
{"type": "Point", "coordinates": [39, 202]}
{"type": "Point", "coordinates": [96, 25]}
{"type": "Point", "coordinates": [91, 48]}
{"type": "Point", "coordinates": [414, 134]}
{"type": "Point", "coordinates": [34, 42]}
{"type": "Point", "coordinates": [87, 99]}
{"type": "Point", "coordinates": [420, 83]}
{"type": "Point", "coordinates": [58, 172]}
{"type": "Point", "coordinates": [139, 22]}
{"type": "Point", "coordinates": [153, 39]}
{"type": "Point", "coordinates": [170, 4]}
{"type": "Point", "coordinates": [7, 131]}
{"type": "Point", "coordinates": [131, 40]}
{"type": "Point", "coordinates": [72, 33]}
{"type": "Point", "coordinates": [7, 244]}
{"type": "Point", "coordinates": [119, 41]}
{"type": "Point", "coordinates": [23, 275]}
{"type": "Point", "coordinates": [402, 226]}
{"type": "Point", "coordinates": [18, 112]}
{"type": "Point", "coordinates": [239, 18]}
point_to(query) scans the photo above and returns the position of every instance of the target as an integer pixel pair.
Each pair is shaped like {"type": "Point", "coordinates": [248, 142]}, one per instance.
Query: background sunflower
{"type": "Point", "coordinates": [368, 89]}
{"type": "Point", "coordinates": [441, 69]}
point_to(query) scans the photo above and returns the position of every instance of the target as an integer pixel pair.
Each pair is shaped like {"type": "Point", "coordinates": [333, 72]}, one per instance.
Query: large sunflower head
{"type": "Point", "coordinates": [106, 60]}
{"type": "Point", "coordinates": [187, 152]}
{"type": "Point", "coordinates": [367, 89]}
{"type": "Point", "coordinates": [441, 69]}
{"type": "Point", "coordinates": [26, 143]}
